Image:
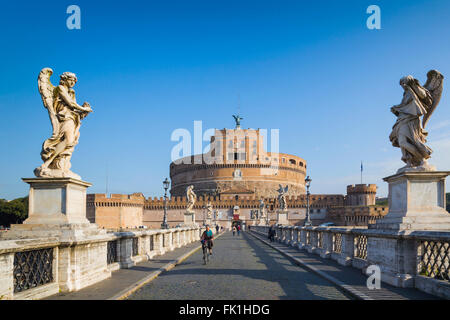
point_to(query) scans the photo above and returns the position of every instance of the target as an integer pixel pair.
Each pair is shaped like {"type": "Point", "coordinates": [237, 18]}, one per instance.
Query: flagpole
{"type": "Point", "coordinates": [361, 171]}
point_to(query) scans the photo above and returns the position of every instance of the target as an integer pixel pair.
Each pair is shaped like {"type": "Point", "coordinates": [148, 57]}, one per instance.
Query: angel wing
{"type": "Point", "coordinates": [281, 189]}
{"type": "Point", "coordinates": [435, 82]}
{"type": "Point", "coordinates": [286, 189]}
{"type": "Point", "coordinates": [46, 89]}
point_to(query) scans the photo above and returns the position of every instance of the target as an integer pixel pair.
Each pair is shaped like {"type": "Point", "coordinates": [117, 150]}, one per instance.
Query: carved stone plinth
{"type": "Point", "coordinates": [262, 222]}
{"type": "Point", "coordinates": [57, 210]}
{"type": "Point", "coordinates": [282, 217]}
{"type": "Point", "coordinates": [416, 202]}
{"type": "Point", "coordinates": [189, 219]}
{"type": "Point", "coordinates": [57, 201]}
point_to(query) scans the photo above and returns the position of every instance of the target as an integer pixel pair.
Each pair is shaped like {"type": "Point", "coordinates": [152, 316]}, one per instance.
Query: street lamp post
{"type": "Point", "coordinates": [308, 184]}
{"type": "Point", "coordinates": [166, 184]}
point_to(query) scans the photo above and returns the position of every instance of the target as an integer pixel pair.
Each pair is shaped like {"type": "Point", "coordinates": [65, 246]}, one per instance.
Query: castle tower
{"type": "Point", "coordinates": [237, 165]}
{"type": "Point", "coordinates": [361, 195]}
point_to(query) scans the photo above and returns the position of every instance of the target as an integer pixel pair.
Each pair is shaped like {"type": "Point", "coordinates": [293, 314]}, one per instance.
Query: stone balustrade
{"type": "Point", "coordinates": [37, 268]}
{"type": "Point", "coordinates": [419, 259]}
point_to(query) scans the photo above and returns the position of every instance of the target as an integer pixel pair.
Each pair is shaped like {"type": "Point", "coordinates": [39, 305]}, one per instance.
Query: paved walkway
{"type": "Point", "coordinates": [124, 280]}
{"type": "Point", "coordinates": [350, 277]}
{"type": "Point", "coordinates": [240, 268]}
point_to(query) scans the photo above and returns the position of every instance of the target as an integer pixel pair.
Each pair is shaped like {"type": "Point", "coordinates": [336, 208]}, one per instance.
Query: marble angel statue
{"type": "Point", "coordinates": [282, 197]}
{"type": "Point", "coordinates": [209, 210]}
{"type": "Point", "coordinates": [65, 116]}
{"type": "Point", "coordinates": [408, 132]}
{"type": "Point", "coordinates": [262, 208]}
{"type": "Point", "coordinates": [191, 198]}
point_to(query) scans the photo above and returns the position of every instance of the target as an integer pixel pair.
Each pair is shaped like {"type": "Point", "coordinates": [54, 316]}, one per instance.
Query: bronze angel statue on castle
{"type": "Point", "coordinates": [408, 132]}
{"type": "Point", "coordinates": [65, 116]}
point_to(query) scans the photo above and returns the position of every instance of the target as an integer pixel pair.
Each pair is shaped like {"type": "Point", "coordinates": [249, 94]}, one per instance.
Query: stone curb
{"type": "Point", "coordinates": [123, 294]}
{"type": "Point", "coordinates": [346, 288]}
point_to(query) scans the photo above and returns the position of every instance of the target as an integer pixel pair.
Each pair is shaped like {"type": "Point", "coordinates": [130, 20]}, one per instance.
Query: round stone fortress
{"type": "Point", "coordinates": [236, 165]}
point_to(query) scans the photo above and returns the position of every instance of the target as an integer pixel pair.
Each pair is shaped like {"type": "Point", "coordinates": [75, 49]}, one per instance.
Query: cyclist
{"type": "Point", "coordinates": [207, 236]}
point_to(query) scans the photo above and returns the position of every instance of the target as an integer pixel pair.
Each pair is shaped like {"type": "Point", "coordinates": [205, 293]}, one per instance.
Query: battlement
{"type": "Point", "coordinates": [248, 201]}
{"type": "Point", "coordinates": [361, 195]}
{"type": "Point", "coordinates": [180, 202]}
{"type": "Point", "coordinates": [362, 188]}
{"type": "Point", "coordinates": [114, 200]}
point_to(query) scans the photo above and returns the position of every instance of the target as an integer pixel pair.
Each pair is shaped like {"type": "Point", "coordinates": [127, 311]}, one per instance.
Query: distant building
{"type": "Point", "coordinates": [360, 207]}
{"type": "Point", "coordinates": [361, 195]}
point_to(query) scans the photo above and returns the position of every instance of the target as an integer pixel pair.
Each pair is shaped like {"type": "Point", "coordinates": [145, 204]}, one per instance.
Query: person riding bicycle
{"type": "Point", "coordinates": [207, 239]}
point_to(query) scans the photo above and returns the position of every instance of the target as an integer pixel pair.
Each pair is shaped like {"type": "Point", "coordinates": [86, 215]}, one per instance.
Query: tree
{"type": "Point", "coordinates": [382, 202]}
{"type": "Point", "coordinates": [14, 211]}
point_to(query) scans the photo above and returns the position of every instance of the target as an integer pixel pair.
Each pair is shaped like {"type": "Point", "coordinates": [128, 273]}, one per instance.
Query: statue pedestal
{"type": "Point", "coordinates": [282, 217]}
{"type": "Point", "coordinates": [189, 218]}
{"type": "Point", "coordinates": [57, 201]}
{"type": "Point", "coordinates": [416, 202]}
{"type": "Point", "coordinates": [57, 209]}
{"type": "Point", "coordinates": [262, 222]}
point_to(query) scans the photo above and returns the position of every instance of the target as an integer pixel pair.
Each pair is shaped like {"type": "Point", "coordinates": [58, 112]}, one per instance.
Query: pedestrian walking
{"type": "Point", "coordinates": [234, 230]}
{"type": "Point", "coordinates": [217, 228]}
{"type": "Point", "coordinates": [271, 234]}
{"type": "Point", "coordinates": [238, 230]}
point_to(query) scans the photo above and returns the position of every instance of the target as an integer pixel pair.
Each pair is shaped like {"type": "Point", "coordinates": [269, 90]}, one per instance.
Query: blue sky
{"type": "Point", "coordinates": [309, 68]}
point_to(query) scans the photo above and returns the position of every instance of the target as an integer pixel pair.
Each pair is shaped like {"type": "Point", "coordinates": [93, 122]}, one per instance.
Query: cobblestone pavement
{"type": "Point", "coordinates": [123, 278]}
{"type": "Point", "coordinates": [240, 268]}
{"type": "Point", "coordinates": [351, 276]}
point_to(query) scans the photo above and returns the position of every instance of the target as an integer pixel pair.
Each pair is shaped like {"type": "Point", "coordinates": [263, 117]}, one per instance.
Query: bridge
{"type": "Point", "coordinates": [302, 263]}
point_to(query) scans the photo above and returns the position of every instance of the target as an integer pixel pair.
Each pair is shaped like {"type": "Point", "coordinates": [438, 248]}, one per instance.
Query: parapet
{"type": "Point", "coordinates": [115, 199]}
{"type": "Point", "coordinates": [362, 188]}
{"type": "Point", "coordinates": [180, 202]}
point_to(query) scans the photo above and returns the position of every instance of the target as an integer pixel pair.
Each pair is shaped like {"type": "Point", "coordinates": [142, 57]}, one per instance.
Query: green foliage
{"type": "Point", "coordinates": [13, 212]}
{"type": "Point", "coordinates": [382, 202]}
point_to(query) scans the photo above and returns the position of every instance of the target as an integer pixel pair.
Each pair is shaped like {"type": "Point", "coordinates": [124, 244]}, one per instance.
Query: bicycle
{"type": "Point", "coordinates": [205, 251]}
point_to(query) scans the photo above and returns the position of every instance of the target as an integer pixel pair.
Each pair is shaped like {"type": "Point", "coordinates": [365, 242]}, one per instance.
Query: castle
{"type": "Point", "coordinates": [238, 165]}
{"type": "Point", "coordinates": [131, 211]}
{"type": "Point", "coordinates": [233, 176]}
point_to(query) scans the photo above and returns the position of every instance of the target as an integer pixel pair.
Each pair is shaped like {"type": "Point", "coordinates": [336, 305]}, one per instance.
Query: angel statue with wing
{"type": "Point", "coordinates": [209, 210]}
{"type": "Point", "coordinates": [262, 207]}
{"type": "Point", "coordinates": [237, 119]}
{"type": "Point", "coordinates": [408, 132]}
{"type": "Point", "coordinates": [65, 116]}
{"type": "Point", "coordinates": [191, 198]}
{"type": "Point", "coordinates": [282, 197]}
